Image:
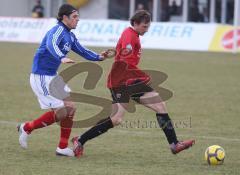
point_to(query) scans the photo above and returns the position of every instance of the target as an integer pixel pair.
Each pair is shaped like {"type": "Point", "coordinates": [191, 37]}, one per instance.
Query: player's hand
{"type": "Point", "coordinates": [67, 60]}
{"type": "Point", "coordinates": [107, 54]}
{"type": "Point", "coordinates": [103, 56]}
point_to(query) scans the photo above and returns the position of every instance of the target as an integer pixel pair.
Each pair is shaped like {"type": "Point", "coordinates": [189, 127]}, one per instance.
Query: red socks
{"type": "Point", "coordinates": [46, 119]}
{"type": "Point", "coordinates": [66, 128]}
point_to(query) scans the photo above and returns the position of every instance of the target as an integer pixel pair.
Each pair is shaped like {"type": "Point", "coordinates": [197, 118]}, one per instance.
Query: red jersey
{"type": "Point", "coordinates": [129, 40]}
{"type": "Point", "coordinates": [124, 69]}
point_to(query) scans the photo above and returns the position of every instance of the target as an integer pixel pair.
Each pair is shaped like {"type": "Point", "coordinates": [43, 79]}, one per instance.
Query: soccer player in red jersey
{"type": "Point", "coordinates": [127, 81]}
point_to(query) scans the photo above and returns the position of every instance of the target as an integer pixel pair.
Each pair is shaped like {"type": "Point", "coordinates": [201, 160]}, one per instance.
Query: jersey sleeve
{"type": "Point", "coordinates": [53, 40]}
{"type": "Point", "coordinates": [84, 52]}
{"type": "Point", "coordinates": [127, 45]}
{"type": "Point", "coordinates": [128, 40]}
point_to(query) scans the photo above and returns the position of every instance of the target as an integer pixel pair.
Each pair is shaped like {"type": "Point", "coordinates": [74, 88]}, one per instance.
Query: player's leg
{"type": "Point", "coordinates": [100, 128]}
{"type": "Point", "coordinates": [40, 86]}
{"type": "Point", "coordinates": [65, 116]}
{"type": "Point", "coordinates": [104, 125]}
{"type": "Point", "coordinates": [120, 101]}
{"type": "Point", "coordinates": [46, 119]}
{"type": "Point", "coordinates": [153, 101]}
{"type": "Point", "coordinates": [25, 129]}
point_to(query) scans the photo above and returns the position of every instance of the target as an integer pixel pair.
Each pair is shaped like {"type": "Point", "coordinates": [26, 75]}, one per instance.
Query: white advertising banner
{"type": "Point", "coordinates": [179, 36]}
{"type": "Point", "coordinates": [100, 32]}
{"type": "Point", "coordinates": [28, 30]}
{"type": "Point", "coordinates": [105, 33]}
{"type": "Point", "coordinates": [176, 36]}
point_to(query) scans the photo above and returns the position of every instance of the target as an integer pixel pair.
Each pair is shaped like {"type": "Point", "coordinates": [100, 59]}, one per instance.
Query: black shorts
{"type": "Point", "coordinates": [124, 93]}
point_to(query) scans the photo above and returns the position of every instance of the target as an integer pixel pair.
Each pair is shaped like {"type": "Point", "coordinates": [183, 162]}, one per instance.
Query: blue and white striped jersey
{"type": "Point", "coordinates": [55, 45]}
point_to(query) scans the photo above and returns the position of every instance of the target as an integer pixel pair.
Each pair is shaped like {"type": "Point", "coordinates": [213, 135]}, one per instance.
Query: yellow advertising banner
{"type": "Point", "coordinates": [77, 3]}
{"type": "Point", "coordinates": [223, 39]}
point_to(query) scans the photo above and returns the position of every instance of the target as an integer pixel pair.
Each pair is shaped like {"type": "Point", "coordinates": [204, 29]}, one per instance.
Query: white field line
{"type": "Point", "coordinates": [142, 132]}
{"type": "Point", "coordinates": [137, 132]}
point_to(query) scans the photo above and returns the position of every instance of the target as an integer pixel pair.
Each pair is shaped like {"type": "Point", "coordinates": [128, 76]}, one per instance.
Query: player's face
{"type": "Point", "coordinates": [142, 28]}
{"type": "Point", "coordinates": [72, 20]}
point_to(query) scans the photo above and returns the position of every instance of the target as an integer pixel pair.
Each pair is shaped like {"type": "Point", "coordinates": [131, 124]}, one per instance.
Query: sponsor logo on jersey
{"type": "Point", "coordinates": [118, 95]}
{"type": "Point", "coordinates": [129, 46]}
{"type": "Point", "coordinates": [67, 47]}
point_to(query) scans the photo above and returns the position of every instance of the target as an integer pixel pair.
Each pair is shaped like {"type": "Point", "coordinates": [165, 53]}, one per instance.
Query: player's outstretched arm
{"type": "Point", "coordinates": [86, 53]}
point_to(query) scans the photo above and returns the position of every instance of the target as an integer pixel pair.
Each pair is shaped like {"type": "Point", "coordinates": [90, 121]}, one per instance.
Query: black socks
{"type": "Point", "coordinates": [104, 125]}
{"type": "Point", "coordinates": [101, 127]}
{"type": "Point", "coordinates": [166, 124]}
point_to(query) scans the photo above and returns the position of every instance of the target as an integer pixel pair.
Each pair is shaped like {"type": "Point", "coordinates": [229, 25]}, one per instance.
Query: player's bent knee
{"type": "Point", "coordinates": [64, 112]}
{"type": "Point", "coordinates": [161, 107]}
{"type": "Point", "coordinates": [60, 113]}
{"type": "Point", "coordinates": [70, 108]}
{"type": "Point", "coordinates": [116, 120]}
{"type": "Point", "coordinates": [72, 111]}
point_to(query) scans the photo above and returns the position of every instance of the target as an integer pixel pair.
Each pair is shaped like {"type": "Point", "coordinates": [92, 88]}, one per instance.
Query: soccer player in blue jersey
{"type": "Point", "coordinates": [52, 52]}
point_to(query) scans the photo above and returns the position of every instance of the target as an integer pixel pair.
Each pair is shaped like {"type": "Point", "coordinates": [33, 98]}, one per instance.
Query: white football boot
{"type": "Point", "coordinates": [64, 152]}
{"type": "Point", "coordinates": [23, 136]}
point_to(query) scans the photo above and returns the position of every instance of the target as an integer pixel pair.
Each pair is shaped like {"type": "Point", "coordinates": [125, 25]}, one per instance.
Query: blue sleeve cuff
{"type": "Point", "coordinates": [99, 59]}
{"type": "Point", "coordinates": [62, 57]}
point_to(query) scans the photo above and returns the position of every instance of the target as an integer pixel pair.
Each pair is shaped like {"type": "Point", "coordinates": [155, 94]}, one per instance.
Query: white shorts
{"type": "Point", "coordinates": [43, 90]}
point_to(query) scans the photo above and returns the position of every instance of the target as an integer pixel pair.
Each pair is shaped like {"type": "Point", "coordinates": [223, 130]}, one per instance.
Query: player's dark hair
{"type": "Point", "coordinates": [140, 16]}
{"type": "Point", "coordinates": [65, 9]}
